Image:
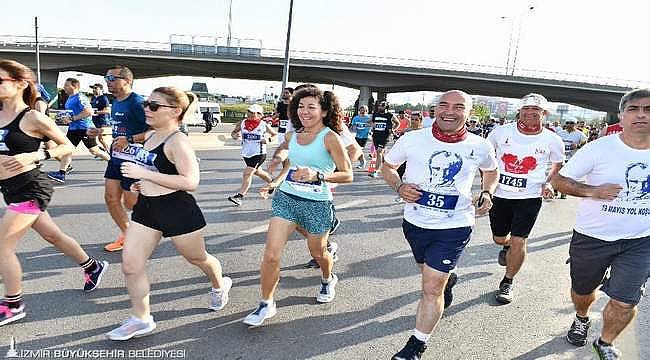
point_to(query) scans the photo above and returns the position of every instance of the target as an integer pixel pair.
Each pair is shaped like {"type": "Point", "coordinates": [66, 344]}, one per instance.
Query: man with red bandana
{"type": "Point", "coordinates": [523, 151]}
{"type": "Point", "coordinates": [441, 164]}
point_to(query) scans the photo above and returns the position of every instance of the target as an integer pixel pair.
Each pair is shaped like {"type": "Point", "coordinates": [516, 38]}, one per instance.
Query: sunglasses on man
{"type": "Point", "coordinates": [112, 77]}
{"type": "Point", "coordinates": [154, 105]}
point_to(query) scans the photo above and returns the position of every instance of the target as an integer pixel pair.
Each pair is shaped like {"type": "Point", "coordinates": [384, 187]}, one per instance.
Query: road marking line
{"type": "Point", "coordinates": [256, 229]}
{"type": "Point", "coordinates": [352, 203]}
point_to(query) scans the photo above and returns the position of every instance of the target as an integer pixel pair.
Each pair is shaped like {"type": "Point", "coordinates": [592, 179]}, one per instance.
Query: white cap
{"type": "Point", "coordinates": [256, 109]}
{"type": "Point", "coordinates": [533, 99]}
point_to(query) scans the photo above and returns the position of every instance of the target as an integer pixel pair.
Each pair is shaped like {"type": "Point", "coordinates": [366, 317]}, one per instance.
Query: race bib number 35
{"type": "Point", "coordinates": [438, 201]}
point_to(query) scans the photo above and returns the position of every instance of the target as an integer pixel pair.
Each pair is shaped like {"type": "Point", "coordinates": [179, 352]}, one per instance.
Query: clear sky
{"type": "Point", "coordinates": [598, 37]}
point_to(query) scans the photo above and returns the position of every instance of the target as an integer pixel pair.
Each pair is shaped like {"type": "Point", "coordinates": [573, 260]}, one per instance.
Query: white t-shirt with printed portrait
{"type": "Point", "coordinates": [523, 160]}
{"type": "Point", "coordinates": [445, 173]}
{"type": "Point", "coordinates": [609, 160]}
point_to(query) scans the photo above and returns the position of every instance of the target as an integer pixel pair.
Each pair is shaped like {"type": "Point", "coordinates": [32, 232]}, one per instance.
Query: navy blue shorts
{"type": "Point", "coordinates": [440, 249]}
{"type": "Point", "coordinates": [113, 172]}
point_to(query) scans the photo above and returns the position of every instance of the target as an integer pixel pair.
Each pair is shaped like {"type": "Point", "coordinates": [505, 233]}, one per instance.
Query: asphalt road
{"type": "Point", "coordinates": [371, 318]}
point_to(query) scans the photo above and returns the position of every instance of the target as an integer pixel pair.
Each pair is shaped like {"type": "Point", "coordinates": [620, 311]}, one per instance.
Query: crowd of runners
{"type": "Point", "coordinates": [431, 166]}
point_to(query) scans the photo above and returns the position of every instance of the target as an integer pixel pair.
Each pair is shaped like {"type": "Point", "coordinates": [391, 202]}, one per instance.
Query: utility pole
{"type": "Point", "coordinates": [229, 24]}
{"type": "Point", "coordinates": [38, 52]}
{"type": "Point", "coordinates": [285, 70]}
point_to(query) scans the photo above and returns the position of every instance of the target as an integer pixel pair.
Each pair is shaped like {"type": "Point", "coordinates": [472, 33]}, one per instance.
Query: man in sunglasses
{"type": "Point", "coordinates": [129, 127]}
{"type": "Point", "coordinates": [79, 120]}
{"type": "Point", "coordinates": [473, 126]}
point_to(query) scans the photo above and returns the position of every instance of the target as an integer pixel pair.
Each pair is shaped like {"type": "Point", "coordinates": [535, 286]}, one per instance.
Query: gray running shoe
{"type": "Point", "coordinates": [504, 294]}
{"type": "Point", "coordinates": [606, 352]}
{"type": "Point", "coordinates": [327, 292]}
{"type": "Point", "coordinates": [264, 311]}
{"type": "Point", "coordinates": [132, 327]}
{"type": "Point", "coordinates": [219, 299]}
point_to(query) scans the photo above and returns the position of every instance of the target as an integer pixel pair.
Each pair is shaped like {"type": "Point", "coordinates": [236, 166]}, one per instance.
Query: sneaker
{"type": "Point", "coordinates": [504, 294]}
{"type": "Point", "coordinates": [92, 280]}
{"type": "Point", "coordinates": [606, 352]}
{"type": "Point", "coordinates": [219, 298]}
{"type": "Point", "coordinates": [312, 264]}
{"type": "Point", "coordinates": [116, 245]}
{"type": "Point", "coordinates": [335, 225]}
{"type": "Point", "coordinates": [264, 311]}
{"type": "Point", "coordinates": [132, 327]}
{"type": "Point", "coordinates": [56, 176]}
{"type": "Point", "coordinates": [503, 256]}
{"type": "Point", "coordinates": [413, 350]}
{"type": "Point", "coordinates": [327, 292]}
{"type": "Point", "coordinates": [236, 199]}
{"type": "Point", "coordinates": [449, 296]}
{"type": "Point", "coordinates": [359, 167]}
{"type": "Point", "coordinates": [69, 169]}
{"type": "Point", "coordinates": [578, 333]}
{"type": "Point", "coordinates": [9, 315]}
{"type": "Point", "coordinates": [333, 249]}
{"type": "Point", "coordinates": [563, 196]}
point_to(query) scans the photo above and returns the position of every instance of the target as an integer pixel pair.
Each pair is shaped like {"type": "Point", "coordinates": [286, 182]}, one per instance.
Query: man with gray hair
{"type": "Point", "coordinates": [612, 230]}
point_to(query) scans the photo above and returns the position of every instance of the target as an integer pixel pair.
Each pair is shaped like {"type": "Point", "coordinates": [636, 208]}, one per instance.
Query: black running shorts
{"type": "Point", "coordinates": [172, 214]}
{"type": "Point", "coordinates": [514, 216]}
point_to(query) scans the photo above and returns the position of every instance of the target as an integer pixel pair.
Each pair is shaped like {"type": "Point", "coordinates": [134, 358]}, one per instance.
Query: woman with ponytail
{"type": "Point", "coordinates": [26, 190]}
{"type": "Point", "coordinates": [303, 197]}
{"type": "Point", "coordinates": [167, 170]}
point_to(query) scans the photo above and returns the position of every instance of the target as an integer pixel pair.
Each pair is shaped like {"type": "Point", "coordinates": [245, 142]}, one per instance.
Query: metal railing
{"type": "Point", "coordinates": [423, 64]}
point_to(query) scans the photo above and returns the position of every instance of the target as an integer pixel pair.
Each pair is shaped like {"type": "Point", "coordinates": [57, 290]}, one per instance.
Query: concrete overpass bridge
{"type": "Point", "coordinates": [366, 73]}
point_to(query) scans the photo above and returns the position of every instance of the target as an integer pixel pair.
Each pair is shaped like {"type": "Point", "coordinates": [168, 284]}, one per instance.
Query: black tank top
{"type": "Point", "coordinates": [14, 141]}
{"type": "Point", "coordinates": [382, 123]}
{"type": "Point", "coordinates": [158, 159]}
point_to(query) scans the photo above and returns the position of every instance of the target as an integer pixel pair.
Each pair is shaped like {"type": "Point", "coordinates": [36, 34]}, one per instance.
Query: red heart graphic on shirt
{"type": "Point", "coordinates": [514, 165]}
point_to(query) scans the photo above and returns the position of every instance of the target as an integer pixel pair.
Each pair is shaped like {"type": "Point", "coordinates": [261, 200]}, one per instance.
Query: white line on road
{"type": "Point", "coordinates": [352, 203]}
{"type": "Point", "coordinates": [255, 230]}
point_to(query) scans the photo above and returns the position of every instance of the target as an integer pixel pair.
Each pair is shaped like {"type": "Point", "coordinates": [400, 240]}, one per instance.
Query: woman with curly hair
{"type": "Point", "coordinates": [303, 198]}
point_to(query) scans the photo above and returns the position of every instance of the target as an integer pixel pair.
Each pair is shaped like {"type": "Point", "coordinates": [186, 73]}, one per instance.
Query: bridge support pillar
{"type": "Point", "coordinates": [611, 118]}
{"type": "Point", "coordinates": [364, 97]}
{"type": "Point", "coordinates": [381, 96]}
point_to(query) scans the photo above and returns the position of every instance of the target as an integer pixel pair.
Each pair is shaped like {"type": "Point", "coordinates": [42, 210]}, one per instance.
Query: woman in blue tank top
{"type": "Point", "coordinates": [303, 199]}
{"type": "Point", "coordinates": [167, 171]}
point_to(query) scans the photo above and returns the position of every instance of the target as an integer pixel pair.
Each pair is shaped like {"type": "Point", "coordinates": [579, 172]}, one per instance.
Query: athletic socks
{"type": "Point", "coordinates": [89, 266]}
{"type": "Point", "coordinates": [14, 301]}
{"type": "Point", "coordinates": [421, 336]}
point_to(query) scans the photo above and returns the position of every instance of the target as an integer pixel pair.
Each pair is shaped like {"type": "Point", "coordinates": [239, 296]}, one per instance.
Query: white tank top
{"type": "Point", "coordinates": [251, 143]}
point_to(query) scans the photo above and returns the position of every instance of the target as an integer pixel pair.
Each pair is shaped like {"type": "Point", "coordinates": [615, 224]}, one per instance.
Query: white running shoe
{"type": "Point", "coordinates": [327, 292]}
{"type": "Point", "coordinates": [219, 297]}
{"type": "Point", "coordinates": [264, 311]}
{"type": "Point", "coordinates": [132, 327]}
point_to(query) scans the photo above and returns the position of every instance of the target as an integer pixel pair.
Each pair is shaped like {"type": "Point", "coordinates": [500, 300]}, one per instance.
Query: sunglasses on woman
{"type": "Point", "coordinates": [2, 79]}
{"type": "Point", "coordinates": [154, 106]}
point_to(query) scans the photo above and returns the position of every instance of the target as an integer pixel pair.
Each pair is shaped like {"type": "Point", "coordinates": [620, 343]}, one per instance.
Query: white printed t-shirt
{"type": "Point", "coordinates": [571, 138]}
{"type": "Point", "coordinates": [523, 160]}
{"type": "Point", "coordinates": [609, 160]}
{"type": "Point", "coordinates": [445, 173]}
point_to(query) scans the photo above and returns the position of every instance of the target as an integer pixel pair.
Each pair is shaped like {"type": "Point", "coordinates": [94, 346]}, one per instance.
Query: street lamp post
{"type": "Point", "coordinates": [285, 70]}
{"type": "Point", "coordinates": [510, 69]}
{"type": "Point", "coordinates": [521, 20]}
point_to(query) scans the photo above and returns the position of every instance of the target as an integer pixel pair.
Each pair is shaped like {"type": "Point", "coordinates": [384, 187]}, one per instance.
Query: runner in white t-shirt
{"type": "Point", "coordinates": [524, 149]}
{"type": "Point", "coordinates": [612, 227]}
{"type": "Point", "coordinates": [253, 133]}
{"type": "Point", "coordinates": [573, 140]}
{"type": "Point", "coordinates": [441, 164]}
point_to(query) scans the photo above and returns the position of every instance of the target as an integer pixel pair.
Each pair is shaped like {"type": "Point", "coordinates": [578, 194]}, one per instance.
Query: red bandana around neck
{"type": "Point", "coordinates": [250, 125]}
{"type": "Point", "coordinates": [448, 138]}
{"type": "Point", "coordinates": [529, 130]}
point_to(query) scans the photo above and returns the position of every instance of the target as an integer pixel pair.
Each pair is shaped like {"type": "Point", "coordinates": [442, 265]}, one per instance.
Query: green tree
{"type": "Point", "coordinates": [482, 111]}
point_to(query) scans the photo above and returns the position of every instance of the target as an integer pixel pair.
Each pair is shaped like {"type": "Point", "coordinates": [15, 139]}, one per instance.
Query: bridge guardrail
{"type": "Point", "coordinates": [167, 48]}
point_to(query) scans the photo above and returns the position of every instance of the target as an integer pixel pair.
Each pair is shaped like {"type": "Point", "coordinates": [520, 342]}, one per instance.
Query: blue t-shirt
{"type": "Point", "coordinates": [77, 103]}
{"type": "Point", "coordinates": [128, 116]}
{"type": "Point", "coordinates": [360, 123]}
{"type": "Point", "coordinates": [100, 103]}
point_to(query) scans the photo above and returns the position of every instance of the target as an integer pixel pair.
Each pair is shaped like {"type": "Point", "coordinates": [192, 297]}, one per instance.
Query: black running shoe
{"type": "Point", "coordinates": [504, 294]}
{"type": "Point", "coordinates": [449, 296]}
{"type": "Point", "coordinates": [236, 199]}
{"type": "Point", "coordinates": [606, 352]}
{"type": "Point", "coordinates": [312, 264]}
{"type": "Point", "coordinates": [413, 350]}
{"type": "Point", "coordinates": [578, 333]}
{"type": "Point", "coordinates": [92, 280]}
{"type": "Point", "coordinates": [503, 256]}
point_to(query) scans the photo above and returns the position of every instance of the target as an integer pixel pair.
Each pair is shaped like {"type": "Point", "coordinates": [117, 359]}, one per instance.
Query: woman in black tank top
{"type": "Point", "coordinates": [167, 169]}
{"type": "Point", "coordinates": [25, 189]}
